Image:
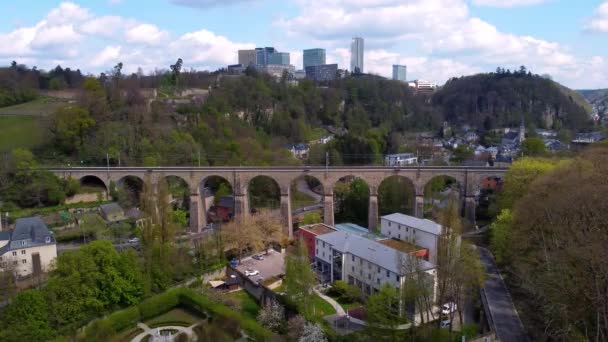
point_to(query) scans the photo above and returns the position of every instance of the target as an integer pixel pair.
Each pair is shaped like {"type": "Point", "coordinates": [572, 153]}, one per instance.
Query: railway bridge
{"type": "Point", "coordinates": [469, 179]}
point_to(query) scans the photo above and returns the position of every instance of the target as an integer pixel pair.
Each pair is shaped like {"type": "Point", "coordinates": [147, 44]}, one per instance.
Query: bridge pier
{"type": "Point", "coordinates": [286, 217]}
{"type": "Point", "coordinates": [198, 213]}
{"type": "Point", "coordinates": [241, 208]}
{"type": "Point", "coordinates": [372, 217]}
{"type": "Point", "coordinates": [419, 206]}
{"type": "Point", "coordinates": [328, 209]}
{"type": "Point", "coordinates": [469, 209]}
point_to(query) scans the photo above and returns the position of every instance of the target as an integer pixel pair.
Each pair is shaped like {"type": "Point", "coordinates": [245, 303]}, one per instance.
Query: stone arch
{"type": "Point", "coordinates": [218, 198]}
{"type": "Point", "coordinates": [258, 184]}
{"type": "Point", "coordinates": [351, 193]}
{"type": "Point", "coordinates": [93, 179]}
{"type": "Point", "coordinates": [400, 189]}
{"type": "Point", "coordinates": [133, 186]}
{"type": "Point", "coordinates": [438, 188]}
{"type": "Point", "coordinates": [179, 191]}
{"type": "Point", "coordinates": [306, 194]}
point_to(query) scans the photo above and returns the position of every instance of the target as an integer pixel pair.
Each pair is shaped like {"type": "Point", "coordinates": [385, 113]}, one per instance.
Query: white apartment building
{"type": "Point", "coordinates": [28, 249]}
{"type": "Point", "coordinates": [366, 263]}
{"type": "Point", "coordinates": [400, 159]}
{"type": "Point", "coordinates": [422, 232]}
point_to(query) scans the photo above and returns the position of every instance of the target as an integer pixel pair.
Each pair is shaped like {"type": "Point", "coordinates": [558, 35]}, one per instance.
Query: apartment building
{"type": "Point", "coordinates": [422, 232]}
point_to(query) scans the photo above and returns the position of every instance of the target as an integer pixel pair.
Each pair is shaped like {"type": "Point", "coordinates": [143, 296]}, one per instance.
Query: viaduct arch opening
{"type": "Point", "coordinates": [396, 194]}
{"type": "Point", "coordinates": [351, 198]}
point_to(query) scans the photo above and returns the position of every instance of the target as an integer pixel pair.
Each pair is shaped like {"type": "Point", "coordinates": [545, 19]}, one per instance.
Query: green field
{"type": "Point", "coordinates": [20, 131]}
{"type": "Point", "coordinates": [42, 106]}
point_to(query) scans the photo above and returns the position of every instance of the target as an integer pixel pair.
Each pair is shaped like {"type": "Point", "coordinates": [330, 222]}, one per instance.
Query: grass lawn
{"type": "Point", "coordinates": [249, 307]}
{"type": "Point", "coordinates": [20, 131]}
{"type": "Point", "coordinates": [319, 308]}
{"type": "Point", "coordinates": [174, 317]}
{"type": "Point", "coordinates": [300, 199]}
{"type": "Point", "coordinates": [345, 305]}
{"type": "Point", "coordinates": [42, 106]}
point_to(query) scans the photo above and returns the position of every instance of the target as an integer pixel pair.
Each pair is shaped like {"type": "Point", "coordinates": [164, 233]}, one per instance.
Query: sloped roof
{"type": "Point", "coordinates": [371, 251]}
{"type": "Point", "coordinates": [415, 222]}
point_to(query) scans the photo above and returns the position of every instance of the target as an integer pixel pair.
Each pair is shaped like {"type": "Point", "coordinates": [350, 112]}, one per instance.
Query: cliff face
{"type": "Point", "coordinates": [497, 100]}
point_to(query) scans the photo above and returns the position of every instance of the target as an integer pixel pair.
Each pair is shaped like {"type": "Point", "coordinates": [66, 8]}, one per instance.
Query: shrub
{"type": "Point", "coordinates": [123, 319]}
{"type": "Point", "coordinates": [99, 330]}
{"type": "Point", "coordinates": [159, 304]}
{"type": "Point", "coordinates": [337, 289]}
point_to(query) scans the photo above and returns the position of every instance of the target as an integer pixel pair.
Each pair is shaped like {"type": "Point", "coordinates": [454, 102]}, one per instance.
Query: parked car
{"type": "Point", "coordinates": [250, 273]}
{"type": "Point", "coordinates": [134, 240]}
{"type": "Point", "coordinates": [448, 308]}
{"type": "Point", "coordinates": [444, 324]}
{"type": "Point", "coordinates": [258, 257]}
{"type": "Point", "coordinates": [234, 263]}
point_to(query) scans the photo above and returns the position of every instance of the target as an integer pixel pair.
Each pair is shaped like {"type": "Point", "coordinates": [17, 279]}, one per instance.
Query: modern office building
{"type": "Point", "coordinates": [423, 87]}
{"type": "Point", "coordinates": [399, 72]}
{"type": "Point", "coordinates": [277, 70]}
{"type": "Point", "coordinates": [367, 264]}
{"type": "Point", "coordinates": [247, 57]}
{"type": "Point", "coordinates": [261, 57]}
{"type": "Point", "coordinates": [356, 55]}
{"type": "Point", "coordinates": [313, 57]}
{"type": "Point", "coordinates": [319, 73]}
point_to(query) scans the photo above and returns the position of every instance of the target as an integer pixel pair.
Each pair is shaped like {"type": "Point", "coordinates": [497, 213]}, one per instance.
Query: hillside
{"type": "Point", "coordinates": [598, 98]}
{"type": "Point", "coordinates": [503, 99]}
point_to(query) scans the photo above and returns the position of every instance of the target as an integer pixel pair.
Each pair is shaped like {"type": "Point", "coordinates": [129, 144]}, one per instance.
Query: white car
{"type": "Point", "coordinates": [134, 240]}
{"type": "Point", "coordinates": [250, 273]}
{"type": "Point", "coordinates": [448, 308]}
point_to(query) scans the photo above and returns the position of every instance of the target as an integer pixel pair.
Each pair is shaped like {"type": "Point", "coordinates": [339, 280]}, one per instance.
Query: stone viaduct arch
{"type": "Point", "coordinates": [470, 179]}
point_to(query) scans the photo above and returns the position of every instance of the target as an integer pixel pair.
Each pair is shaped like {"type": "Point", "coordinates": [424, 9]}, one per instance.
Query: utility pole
{"type": "Point", "coordinates": [199, 158]}
{"type": "Point", "coordinates": [108, 161]}
{"type": "Point", "coordinates": [118, 159]}
{"type": "Point", "coordinates": [326, 164]}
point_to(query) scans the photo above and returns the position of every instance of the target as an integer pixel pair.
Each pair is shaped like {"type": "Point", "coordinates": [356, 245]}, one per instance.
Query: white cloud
{"type": "Point", "coordinates": [204, 47]}
{"type": "Point", "coordinates": [145, 34]}
{"type": "Point", "coordinates": [508, 3]}
{"type": "Point", "coordinates": [67, 12]}
{"type": "Point", "coordinates": [106, 26]}
{"type": "Point", "coordinates": [208, 3]}
{"type": "Point", "coordinates": [107, 56]}
{"type": "Point", "coordinates": [599, 21]}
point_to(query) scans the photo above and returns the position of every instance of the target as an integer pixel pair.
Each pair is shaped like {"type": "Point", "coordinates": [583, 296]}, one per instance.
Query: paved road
{"type": "Point", "coordinates": [304, 188]}
{"type": "Point", "coordinates": [506, 320]}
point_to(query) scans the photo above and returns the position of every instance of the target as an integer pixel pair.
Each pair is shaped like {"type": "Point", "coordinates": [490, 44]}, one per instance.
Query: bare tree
{"type": "Point", "coordinates": [268, 227]}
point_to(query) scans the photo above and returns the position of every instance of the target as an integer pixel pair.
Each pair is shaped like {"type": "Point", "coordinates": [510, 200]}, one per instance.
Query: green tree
{"type": "Point", "coordinates": [311, 217]}
{"type": "Point", "coordinates": [383, 312]}
{"type": "Point", "coordinates": [26, 318]}
{"type": "Point", "coordinates": [533, 147]}
{"type": "Point", "coordinates": [521, 175]}
{"type": "Point", "coordinates": [299, 278]}
{"type": "Point", "coordinates": [70, 125]}
{"type": "Point", "coordinates": [462, 153]}
{"type": "Point", "coordinates": [499, 235]}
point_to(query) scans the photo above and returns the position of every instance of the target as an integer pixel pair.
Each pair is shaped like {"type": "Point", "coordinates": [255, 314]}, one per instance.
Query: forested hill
{"type": "Point", "coordinates": [598, 99]}
{"type": "Point", "coordinates": [503, 98]}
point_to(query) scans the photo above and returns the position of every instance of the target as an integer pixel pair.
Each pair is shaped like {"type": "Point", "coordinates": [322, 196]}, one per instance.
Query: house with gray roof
{"type": "Point", "coordinates": [29, 248]}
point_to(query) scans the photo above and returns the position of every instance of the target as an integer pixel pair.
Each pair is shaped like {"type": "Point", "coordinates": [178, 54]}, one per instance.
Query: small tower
{"type": "Point", "coordinates": [522, 131]}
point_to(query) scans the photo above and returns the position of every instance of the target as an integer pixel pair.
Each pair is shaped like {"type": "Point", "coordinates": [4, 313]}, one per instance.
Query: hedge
{"type": "Point", "coordinates": [159, 304]}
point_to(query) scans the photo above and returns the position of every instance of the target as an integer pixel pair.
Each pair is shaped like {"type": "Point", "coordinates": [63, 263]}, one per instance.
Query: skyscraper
{"type": "Point", "coordinates": [312, 57]}
{"type": "Point", "coordinates": [399, 72]}
{"type": "Point", "coordinates": [356, 55]}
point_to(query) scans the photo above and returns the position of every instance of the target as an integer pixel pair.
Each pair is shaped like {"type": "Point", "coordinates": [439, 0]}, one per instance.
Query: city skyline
{"type": "Point", "coordinates": [554, 37]}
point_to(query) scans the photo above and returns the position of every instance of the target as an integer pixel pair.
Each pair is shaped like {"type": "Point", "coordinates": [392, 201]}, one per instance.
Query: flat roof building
{"type": "Point", "coordinates": [247, 57]}
{"type": "Point", "coordinates": [311, 57]}
{"type": "Point", "coordinates": [320, 73]}
{"type": "Point", "coordinates": [399, 73]}
{"type": "Point", "coordinates": [356, 55]}
{"type": "Point", "coordinates": [421, 232]}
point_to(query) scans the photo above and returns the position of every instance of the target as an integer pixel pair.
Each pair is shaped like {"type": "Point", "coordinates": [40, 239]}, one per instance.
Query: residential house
{"type": "Point", "coordinates": [299, 151]}
{"type": "Point", "coordinates": [112, 212]}
{"type": "Point", "coordinates": [400, 159]}
{"type": "Point", "coordinates": [28, 249]}
{"type": "Point", "coordinates": [471, 136]}
{"type": "Point", "coordinates": [588, 138]}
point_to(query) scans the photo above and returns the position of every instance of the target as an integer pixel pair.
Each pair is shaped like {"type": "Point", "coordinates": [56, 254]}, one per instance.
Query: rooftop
{"type": "Point", "coordinates": [319, 229]}
{"type": "Point", "coordinates": [414, 222]}
{"type": "Point", "coordinates": [111, 208]}
{"type": "Point", "coordinates": [372, 251]}
{"type": "Point", "coordinates": [356, 229]}
{"type": "Point", "coordinates": [402, 246]}
{"type": "Point", "coordinates": [28, 232]}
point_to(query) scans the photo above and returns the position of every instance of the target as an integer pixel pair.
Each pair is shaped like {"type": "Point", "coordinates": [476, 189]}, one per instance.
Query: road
{"type": "Point", "coordinates": [304, 188]}
{"type": "Point", "coordinates": [504, 314]}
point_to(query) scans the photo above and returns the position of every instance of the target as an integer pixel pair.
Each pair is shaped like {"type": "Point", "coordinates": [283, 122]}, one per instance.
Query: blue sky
{"type": "Point", "coordinates": [436, 39]}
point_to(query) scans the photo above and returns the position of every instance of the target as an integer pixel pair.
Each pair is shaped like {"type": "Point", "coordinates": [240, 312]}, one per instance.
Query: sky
{"type": "Point", "coordinates": [436, 39]}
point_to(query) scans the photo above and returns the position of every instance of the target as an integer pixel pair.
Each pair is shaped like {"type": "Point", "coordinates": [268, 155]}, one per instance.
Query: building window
{"type": "Point", "coordinates": [389, 223]}
{"type": "Point", "coordinates": [369, 265]}
{"type": "Point", "coordinates": [353, 268]}
{"type": "Point", "coordinates": [323, 244]}
{"type": "Point", "coordinates": [24, 261]}
{"type": "Point", "coordinates": [15, 262]}
{"type": "Point", "coordinates": [389, 232]}
{"type": "Point", "coordinates": [379, 268]}
{"type": "Point", "coordinates": [360, 271]}
{"type": "Point", "coordinates": [377, 280]}
{"type": "Point", "coordinates": [369, 276]}
{"type": "Point", "coordinates": [317, 251]}
{"type": "Point", "coordinates": [23, 243]}
{"type": "Point", "coordinates": [399, 227]}
{"type": "Point", "coordinates": [23, 251]}
{"type": "Point", "coordinates": [407, 229]}
{"type": "Point", "coordinates": [397, 277]}
{"type": "Point", "coordinates": [324, 254]}
{"type": "Point", "coordinates": [15, 253]}
{"type": "Point", "coordinates": [399, 236]}
{"type": "Point", "coordinates": [388, 273]}
{"type": "Point", "coordinates": [352, 257]}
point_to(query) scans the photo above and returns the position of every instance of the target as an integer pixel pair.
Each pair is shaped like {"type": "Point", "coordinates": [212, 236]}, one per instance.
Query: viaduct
{"type": "Point", "coordinates": [469, 180]}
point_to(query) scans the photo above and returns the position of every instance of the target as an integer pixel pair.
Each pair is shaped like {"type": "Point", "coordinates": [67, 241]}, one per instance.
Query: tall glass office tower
{"type": "Point", "coordinates": [356, 55]}
{"type": "Point", "coordinates": [399, 72]}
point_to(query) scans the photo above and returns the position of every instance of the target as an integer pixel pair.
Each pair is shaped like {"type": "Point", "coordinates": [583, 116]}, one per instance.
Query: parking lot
{"type": "Point", "coordinates": [272, 265]}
